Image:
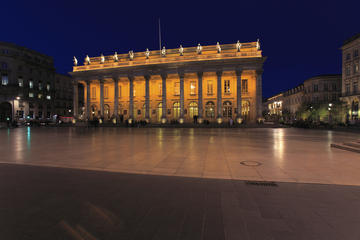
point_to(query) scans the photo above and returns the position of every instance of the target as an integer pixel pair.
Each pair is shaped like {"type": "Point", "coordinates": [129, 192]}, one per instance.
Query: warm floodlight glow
{"type": "Point", "coordinates": [163, 120]}
{"type": "Point", "coordinates": [239, 120]}
{"type": "Point", "coordinates": [114, 120]}
{"type": "Point", "coordinates": [181, 120]}
{"type": "Point", "coordinates": [219, 120]}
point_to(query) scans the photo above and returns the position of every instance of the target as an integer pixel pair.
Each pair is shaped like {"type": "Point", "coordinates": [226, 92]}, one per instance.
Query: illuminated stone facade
{"type": "Point", "coordinates": [211, 84]}
{"type": "Point", "coordinates": [351, 76]}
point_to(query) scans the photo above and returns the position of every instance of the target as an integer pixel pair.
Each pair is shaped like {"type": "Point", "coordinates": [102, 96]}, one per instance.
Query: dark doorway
{"type": "Point", "coordinates": [5, 112]}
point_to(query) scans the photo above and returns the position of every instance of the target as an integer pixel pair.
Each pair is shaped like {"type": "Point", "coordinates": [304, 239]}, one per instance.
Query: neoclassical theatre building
{"type": "Point", "coordinates": [216, 83]}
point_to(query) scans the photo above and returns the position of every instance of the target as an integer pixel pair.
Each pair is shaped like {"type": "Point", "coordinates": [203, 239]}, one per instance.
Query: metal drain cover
{"type": "Point", "coordinates": [261, 183]}
{"type": "Point", "coordinates": [251, 163]}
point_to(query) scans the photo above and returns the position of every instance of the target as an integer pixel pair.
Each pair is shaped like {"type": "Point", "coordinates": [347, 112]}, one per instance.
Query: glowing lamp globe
{"type": "Point", "coordinates": [181, 120]}
{"type": "Point", "coordinates": [219, 120]}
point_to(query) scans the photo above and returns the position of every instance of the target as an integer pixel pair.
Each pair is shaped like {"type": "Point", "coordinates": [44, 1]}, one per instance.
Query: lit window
{"type": "Point", "coordinates": [4, 80]}
{"type": "Point", "coordinates": [48, 97]}
{"type": "Point", "coordinates": [39, 95]}
{"type": "Point", "coordinates": [192, 88]}
{"type": "Point", "coordinates": [106, 92]}
{"type": "Point", "coordinates": [31, 84]}
{"type": "Point", "coordinates": [48, 86]}
{"type": "Point", "coordinates": [93, 92]}
{"type": "Point", "coordinates": [20, 82]}
{"type": "Point", "coordinates": [40, 85]}
{"type": "Point", "coordinates": [356, 67]}
{"type": "Point", "coordinates": [226, 86]}
{"type": "Point", "coordinates": [244, 85]}
{"type": "Point", "coordinates": [31, 94]}
{"type": "Point", "coordinates": [177, 89]}
{"type": "Point", "coordinates": [210, 87]}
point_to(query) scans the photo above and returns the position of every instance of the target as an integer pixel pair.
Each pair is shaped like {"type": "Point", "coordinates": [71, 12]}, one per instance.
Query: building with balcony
{"type": "Point", "coordinates": [351, 76]}
{"type": "Point", "coordinates": [274, 105]}
{"type": "Point", "coordinates": [214, 83]}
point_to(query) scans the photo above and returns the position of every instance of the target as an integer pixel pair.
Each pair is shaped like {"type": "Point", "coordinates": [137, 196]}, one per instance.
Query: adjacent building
{"type": "Point", "coordinates": [351, 76]}
{"type": "Point", "coordinates": [318, 95]}
{"type": "Point", "coordinates": [28, 88]}
{"type": "Point", "coordinates": [215, 83]}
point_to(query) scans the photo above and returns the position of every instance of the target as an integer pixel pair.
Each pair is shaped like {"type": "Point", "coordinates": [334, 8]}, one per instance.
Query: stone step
{"type": "Point", "coordinates": [353, 144]}
{"type": "Point", "coordinates": [345, 147]}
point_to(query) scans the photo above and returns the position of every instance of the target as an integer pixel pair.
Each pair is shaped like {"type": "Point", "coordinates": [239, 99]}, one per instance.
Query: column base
{"type": "Point", "coordinates": [219, 120]}
{"type": "Point", "coordinates": [130, 120]}
{"type": "Point", "coordinates": [181, 120]}
{"type": "Point", "coordinates": [200, 120]}
{"type": "Point", "coordinates": [260, 120]}
{"type": "Point", "coordinates": [239, 120]}
{"type": "Point", "coordinates": [163, 120]}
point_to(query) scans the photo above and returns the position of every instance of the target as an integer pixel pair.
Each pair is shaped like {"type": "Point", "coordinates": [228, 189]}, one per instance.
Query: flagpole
{"type": "Point", "coordinates": [159, 37]}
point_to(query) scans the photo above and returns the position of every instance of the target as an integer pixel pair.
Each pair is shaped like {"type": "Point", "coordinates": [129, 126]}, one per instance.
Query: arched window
{"type": "Point", "coordinates": [245, 109]}
{"type": "Point", "coordinates": [144, 111]}
{"type": "Point", "coordinates": [94, 110]}
{"type": "Point", "coordinates": [106, 111]}
{"type": "Point", "coordinates": [227, 109]}
{"type": "Point", "coordinates": [159, 112]}
{"type": "Point", "coordinates": [176, 110]}
{"type": "Point", "coordinates": [210, 110]}
{"type": "Point", "coordinates": [193, 109]}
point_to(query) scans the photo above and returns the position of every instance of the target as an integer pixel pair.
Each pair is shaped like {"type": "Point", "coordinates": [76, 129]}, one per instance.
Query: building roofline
{"type": "Point", "coordinates": [324, 76]}
{"type": "Point", "coordinates": [13, 45]}
{"type": "Point", "coordinates": [351, 39]}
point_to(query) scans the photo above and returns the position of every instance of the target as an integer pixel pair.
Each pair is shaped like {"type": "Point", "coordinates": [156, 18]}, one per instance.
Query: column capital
{"type": "Point", "coordinates": [219, 73]}
{"type": "Point", "coordinates": [200, 74]}
{"type": "Point", "coordinates": [181, 73]}
{"type": "Point", "coordinates": [259, 71]}
{"type": "Point", "coordinates": [131, 77]}
{"type": "Point", "coordinates": [115, 78]}
{"type": "Point", "coordinates": [238, 71]}
{"type": "Point", "coordinates": [147, 76]}
{"type": "Point", "coordinates": [163, 75]}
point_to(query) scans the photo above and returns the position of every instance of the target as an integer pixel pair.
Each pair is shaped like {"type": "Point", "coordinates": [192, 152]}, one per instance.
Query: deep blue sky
{"type": "Point", "coordinates": [300, 38]}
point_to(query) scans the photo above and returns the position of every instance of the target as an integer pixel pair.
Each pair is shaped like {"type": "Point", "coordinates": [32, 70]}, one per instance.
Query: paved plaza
{"type": "Point", "coordinates": [272, 154]}
{"type": "Point", "coordinates": [154, 183]}
{"type": "Point", "coordinates": [43, 203]}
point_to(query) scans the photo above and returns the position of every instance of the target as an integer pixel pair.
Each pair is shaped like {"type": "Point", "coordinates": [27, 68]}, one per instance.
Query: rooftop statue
{"type": "Point", "coordinates": [115, 57]}
{"type": "Point", "coordinates": [218, 47]}
{"type": "Point", "coordinates": [147, 53]}
{"type": "Point", "coordinates": [238, 46]}
{"type": "Point", "coordinates": [102, 58]}
{"type": "Point", "coordinates": [199, 49]}
{"type": "Point", "coordinates": [258, 44]}
{"type": "Point", "coordinates": [163, 52]}
{"type": "Point", "coordinates": [87, 60]}
{"type": "Point", "coordinates": [75, 61]}
{"type": "Point", "coordinates": [181, 50]}
{"type": "Point", "coordinates": [131, 55]}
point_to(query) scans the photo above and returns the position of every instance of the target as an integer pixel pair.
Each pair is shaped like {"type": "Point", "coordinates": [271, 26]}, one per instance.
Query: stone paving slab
{"type": "Point", "coordinates": [57, 203]}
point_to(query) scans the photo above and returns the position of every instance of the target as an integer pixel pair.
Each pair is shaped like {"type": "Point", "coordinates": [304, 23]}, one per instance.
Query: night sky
{"type": "Point", "coordinates": [300, 38]}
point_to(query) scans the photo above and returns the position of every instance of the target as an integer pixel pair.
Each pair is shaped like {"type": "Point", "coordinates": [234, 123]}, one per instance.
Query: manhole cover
{"type": "Point", "coordinates": [250, 163]}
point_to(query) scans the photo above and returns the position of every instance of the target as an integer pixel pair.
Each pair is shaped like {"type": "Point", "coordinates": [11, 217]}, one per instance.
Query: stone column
{"type": "Point", "coordinates": [200, 98]}
{"type": "Point", "coordinates": [259, 95]}
{"type": "Point", "coordinates": [101, 98]}
{"type": "Point", "coordinates": [163, 118]}
{"type": "Point", "coordinates": [75, 99]}
{"type": "Point", "coordinates": [147, 97]}
{"type": "Point", "coordinates": [131, 97]}
{"type": "Point", "coordinates": [116, 97]}
{"type": "Point", "coordinates": [87, 99]}
{"type": "Point", "coordinates": [181, 76]}
{"type": "Point", "coordinates": [219, 96]}
{"type": "Point", "coordinates": [238, 95]}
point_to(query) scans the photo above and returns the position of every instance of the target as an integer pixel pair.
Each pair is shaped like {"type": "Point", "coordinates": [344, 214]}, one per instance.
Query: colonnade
{"type": "Point", "coordinates": [164, 75]}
